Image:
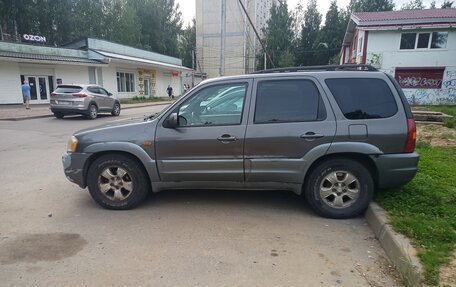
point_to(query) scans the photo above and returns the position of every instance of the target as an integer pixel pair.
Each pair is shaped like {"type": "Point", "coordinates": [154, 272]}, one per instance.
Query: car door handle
{"type": "Point", "coordinates": [311, 136]}
{"type": "Point", "coordinates": [227, 138]}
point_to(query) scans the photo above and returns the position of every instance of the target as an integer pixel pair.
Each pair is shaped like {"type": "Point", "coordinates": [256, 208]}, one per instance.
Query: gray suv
{"type": "Point", "coordinates": [88, 100]}
{"type": "Point", "coordinates": [332, 134]}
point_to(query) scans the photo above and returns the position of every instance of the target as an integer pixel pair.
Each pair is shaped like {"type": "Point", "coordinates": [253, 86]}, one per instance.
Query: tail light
{"type": "Point", "coordinates": [80, 95]}
{"type": "Point", "coordinates": [411, 135]}
{"type": "Point", "coordinates": [53, 94]}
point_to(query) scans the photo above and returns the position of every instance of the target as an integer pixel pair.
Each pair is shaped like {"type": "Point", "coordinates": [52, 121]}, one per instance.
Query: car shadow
{"type": "Point", "coordinates": [261, 199]}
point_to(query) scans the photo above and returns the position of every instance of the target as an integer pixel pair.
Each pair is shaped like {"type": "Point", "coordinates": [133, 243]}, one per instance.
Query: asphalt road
{"type": "Point", "coordinates": [53, 234]}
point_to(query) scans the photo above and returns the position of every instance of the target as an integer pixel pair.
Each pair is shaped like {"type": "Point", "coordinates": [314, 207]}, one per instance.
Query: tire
{"type": "Point", "coordinates": [117, 182]}
{"type": "Point", "coordinates": [116, 109]}
{"type": "Point", "coordinates": [92, 112]}
{"type": "Point", "coordinates": [59, 115]}
{"type": "Point", "coordinates": [339, 188]}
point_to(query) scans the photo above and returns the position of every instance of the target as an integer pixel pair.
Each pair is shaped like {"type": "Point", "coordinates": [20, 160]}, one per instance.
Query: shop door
{"type": "Point", "coordinates": [147, 87]}
{"type": "Point", "coordinates": [39, 89]}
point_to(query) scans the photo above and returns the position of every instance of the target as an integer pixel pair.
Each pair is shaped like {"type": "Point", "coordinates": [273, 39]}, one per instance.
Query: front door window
{"type": "Point", "coordinates": [216, 105]}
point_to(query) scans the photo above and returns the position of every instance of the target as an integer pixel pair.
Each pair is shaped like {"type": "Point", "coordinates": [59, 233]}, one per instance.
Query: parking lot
{"type": "Point", "coordinates": [53, 234]}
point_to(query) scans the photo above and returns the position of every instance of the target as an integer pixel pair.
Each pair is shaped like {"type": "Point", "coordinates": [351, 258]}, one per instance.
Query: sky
{"type": "Point", "coordinates": [187, 7]}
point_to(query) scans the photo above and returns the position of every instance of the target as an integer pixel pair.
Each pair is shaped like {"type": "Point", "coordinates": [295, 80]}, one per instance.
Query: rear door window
{"type": "Point", "coordinates": [288, 101]}
{"type": "Point", "coordinates": [361, 98]}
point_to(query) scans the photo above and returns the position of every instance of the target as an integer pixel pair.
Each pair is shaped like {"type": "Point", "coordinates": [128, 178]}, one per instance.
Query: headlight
{"type": "Point", "coordinates": [72, 144]}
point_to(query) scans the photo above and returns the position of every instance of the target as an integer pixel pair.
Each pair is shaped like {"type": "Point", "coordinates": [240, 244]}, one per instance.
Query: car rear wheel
{"type": "Point", "coordinates": [116, 109]}
{"type": "Point", "coordinates": [117, 182]}
{"type": "Point", "coordinates": [92, 112]}
{"type": "Point", "coordinates": [339, 188]}
{"type": "Point", "coordinates": [59, 115]}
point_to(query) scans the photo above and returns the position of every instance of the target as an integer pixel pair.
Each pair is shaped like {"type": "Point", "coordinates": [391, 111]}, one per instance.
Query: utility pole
{"type": "Point", "coordinates": [193, 67]}
{"type": "Point", "coordinates": [265, 62]}
{"type": "Point", "coordinates": [256, 33]}
{"type": "Point", "coordinates": [222, 39]}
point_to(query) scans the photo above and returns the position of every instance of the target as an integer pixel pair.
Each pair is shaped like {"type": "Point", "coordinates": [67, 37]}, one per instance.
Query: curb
{"type": "Point", "coordinates": [397, 247]}
{"type": "Point", "coordinates": [51, 115]}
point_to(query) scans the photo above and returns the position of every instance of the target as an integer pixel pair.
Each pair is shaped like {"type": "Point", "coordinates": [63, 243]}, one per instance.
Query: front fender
{"type": "Point", "coordinates": [127, 147]}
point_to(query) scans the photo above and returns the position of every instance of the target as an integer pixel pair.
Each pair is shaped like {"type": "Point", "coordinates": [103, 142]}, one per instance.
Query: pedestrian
{"type": "Point", "coordinates": [169, 90]}
{"type": "Point", "coordinates": [26, 94]}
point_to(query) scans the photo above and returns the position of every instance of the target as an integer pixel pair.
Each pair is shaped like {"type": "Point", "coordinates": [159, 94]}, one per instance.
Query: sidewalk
{"type": "Point", "coordinates": [18, 112]}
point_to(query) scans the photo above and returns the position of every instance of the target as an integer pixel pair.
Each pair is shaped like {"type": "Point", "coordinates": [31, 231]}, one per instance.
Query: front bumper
{"type": "Point", "coordinates": [74, 167]}
{"type": "Point", "coordinates": [396, 169]}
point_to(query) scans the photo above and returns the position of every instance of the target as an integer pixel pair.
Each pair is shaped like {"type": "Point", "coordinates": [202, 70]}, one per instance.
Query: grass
{"type": "Point", "coordinates": [137, 100]}
{"type": "Point", "coordinates": [449, 110]}
{"type": "Point", "coordinates": [425, 209]}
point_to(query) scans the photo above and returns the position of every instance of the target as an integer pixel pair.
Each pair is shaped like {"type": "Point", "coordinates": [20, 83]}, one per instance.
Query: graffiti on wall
{"type": "Point", "coordinates": [446, 94]}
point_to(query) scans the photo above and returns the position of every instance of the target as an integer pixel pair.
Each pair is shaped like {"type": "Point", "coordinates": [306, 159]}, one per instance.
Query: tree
{"type": "Point", "coordinates": [122, 24]}
{"type": "Point", "coordinates": [307, 42]}
{"type": "Point", "coordinates": [16, 17]}
{"type": "Point", "coordinates": [187, 44]}
{"type": "Point", "coordinates": [278, 36]}
{"type": "Point", "coordinates": [413, 5]}
{"type": "Point", "coordinates": [161, 23]}
{"type": "Point", "coordinates": [432, 5]}
{"type": "Point", "coordinates": [332, 34]}
{"type": "Point", "coordinates": [370, 5]}
{"type": "Point", "coordinates": [447, 4]}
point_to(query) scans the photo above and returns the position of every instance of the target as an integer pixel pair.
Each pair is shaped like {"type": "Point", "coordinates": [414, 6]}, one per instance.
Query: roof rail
{"type": "Point", "coordinates": [347, 67]}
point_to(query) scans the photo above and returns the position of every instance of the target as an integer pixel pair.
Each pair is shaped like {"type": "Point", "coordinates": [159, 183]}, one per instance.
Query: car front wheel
{"type": "Point", "coordinates": [339, 188]}
{"type": "Point", "coordinates": [116, 109]}
{"type": "Point", "coordinates": [117, 182]}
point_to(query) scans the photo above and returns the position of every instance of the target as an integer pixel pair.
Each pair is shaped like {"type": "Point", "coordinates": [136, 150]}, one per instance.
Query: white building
{"type": "Point", "coordinates": [124, 71]}
{"type": "Point", "coordinates": [417, 47]}
{"type": "Point", "coordinates": [237, 54]}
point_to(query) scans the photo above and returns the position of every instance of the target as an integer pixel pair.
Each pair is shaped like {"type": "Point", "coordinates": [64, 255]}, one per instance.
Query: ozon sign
{"type": "Point", "coordinates": [34, 38]}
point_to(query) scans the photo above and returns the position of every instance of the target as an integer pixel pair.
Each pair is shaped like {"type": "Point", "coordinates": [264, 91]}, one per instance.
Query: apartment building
{"type": "Point", "coordinates": [225, 41]}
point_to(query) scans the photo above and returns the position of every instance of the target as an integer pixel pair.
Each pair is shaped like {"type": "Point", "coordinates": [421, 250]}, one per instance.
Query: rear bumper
{"type": "Point", "coordinates": [73, 166]}
{"type": "Point", "coordinates": [68, 109]}
{"type": "Point", "coordinates": [396, 169]}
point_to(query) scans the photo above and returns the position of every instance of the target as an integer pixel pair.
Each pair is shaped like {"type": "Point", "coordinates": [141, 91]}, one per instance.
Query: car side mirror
{"type": "Point", "coordinates": [171, 122]}
{"type": "Point", "coordinates": [109, 94]}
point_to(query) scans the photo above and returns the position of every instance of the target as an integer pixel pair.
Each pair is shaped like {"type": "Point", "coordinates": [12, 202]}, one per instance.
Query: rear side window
{"type": "Point", "coordinates": [363, 98]}
{"type": "Point", "coordinates": [68, 89]}
{"type": "Point", "coordinates": [288, 101]}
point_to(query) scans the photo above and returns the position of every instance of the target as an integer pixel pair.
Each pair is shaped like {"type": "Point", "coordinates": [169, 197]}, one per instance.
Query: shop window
{"type": "Point", "coordinates": [125, 82]}
{"type": "Point", "coordinates": [434, 40]}
{"type": "Point", "coordinates": [439, 40]}
{"type": "Point", "coordinates": [423, 40]}
{"type": "Point", "coordinates": [408, 41]}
